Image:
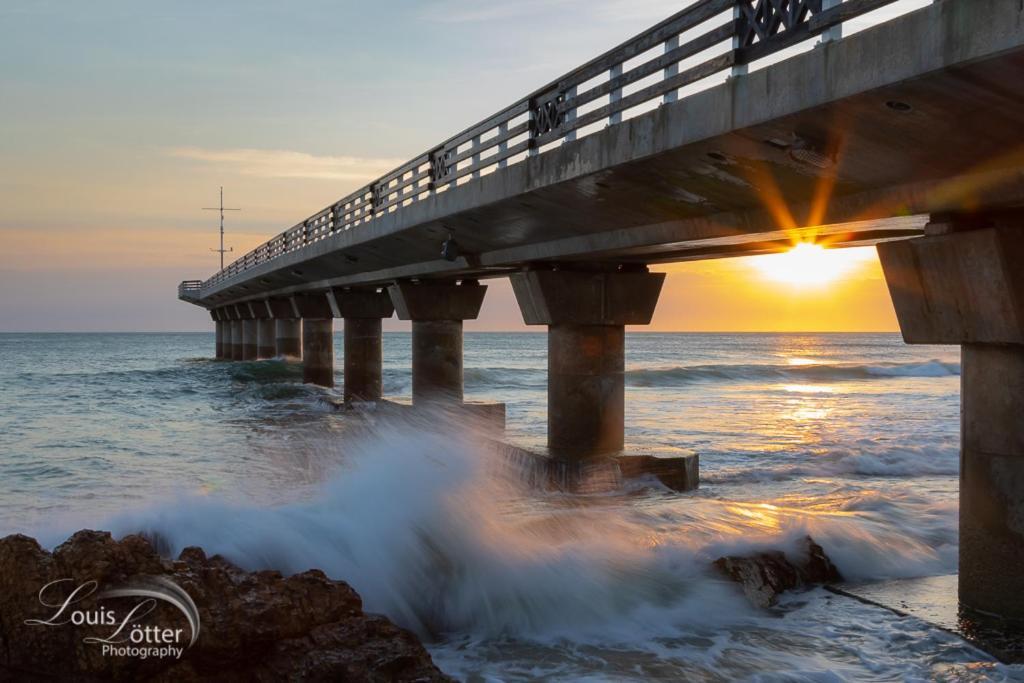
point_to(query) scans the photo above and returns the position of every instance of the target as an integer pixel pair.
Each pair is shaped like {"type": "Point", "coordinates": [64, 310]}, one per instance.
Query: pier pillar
{"type": "Point", "coordinates": [963, 284]}
{"type": "Point", "coordinates": [236, 333]}
{"type": "Point", "coordinates": [218, 325]}
{"type": "Point", "coordinates": [437, 312]}
{"type": "Point", "coordinates": [363, 312]}
{"type": "Point", "coordinates": [288, 328]}
{"type": "Point", "coordinates": [317, 338]}
{"type": "Point", "coordinates": [586, 314]}
{"type": "Point", "coordinates": [266, 339]}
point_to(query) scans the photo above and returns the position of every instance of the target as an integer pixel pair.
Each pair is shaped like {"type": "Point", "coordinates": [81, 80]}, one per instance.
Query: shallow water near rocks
{"type": "Point", "coordinates": [852, 439]}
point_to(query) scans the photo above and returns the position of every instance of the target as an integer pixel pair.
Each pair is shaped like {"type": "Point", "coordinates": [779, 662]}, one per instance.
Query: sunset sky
{"type": "Point", "coordinates": [121, 119]}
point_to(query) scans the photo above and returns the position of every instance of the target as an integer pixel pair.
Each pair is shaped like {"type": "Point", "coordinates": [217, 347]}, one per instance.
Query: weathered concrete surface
{"type": "Point", "coordinates": [219, 335]}
{"type": "Point", "coordinates": [318, 351]}
{"type": "Point", "coordinates": [992, 480]}
{"type": "Point", "coordinates": [288, 337]}
{"type": "Point", "coordinates": [959, 288]}
{"type": "Point", "coordinates": [689, 179]}
{"type": "Point", "coordinates": [586, 314]}
{"type": "Point", "coordinates": [437, 311]}
{"type": "Point", "coordinates": [967, 287]}
{"type": "Point", "coordinates": [250, 339]}
{"type": "Point", "coordinates": [236, 340]}
{"type": "Point", "coordinates": [266, 338]}
{"type": "Point", "coordinates": [364, 360]}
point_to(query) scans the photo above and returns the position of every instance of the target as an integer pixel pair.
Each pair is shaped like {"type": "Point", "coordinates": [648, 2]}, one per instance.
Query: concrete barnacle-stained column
{"type": "Point", "coordinates": [586, 314]}
{"type": "Point", "coordinates": [248, 331]}
{"type": "Point", "coordinates": [317, 338]}
{"type": "Point", "coordinates": [287, 328]}
{"type": "Point", "coordinates": [437, 311]}
{"type": "Point", "coordinates": [265, 330]}
{"type": "Point", "coordinates": [363, 310]}
{"type": "Point", "coordinates": [963, 283]}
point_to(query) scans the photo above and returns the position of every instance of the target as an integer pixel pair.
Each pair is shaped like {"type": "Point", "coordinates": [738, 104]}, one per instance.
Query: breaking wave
{"type": "Point", "coordinates": [805, 373]}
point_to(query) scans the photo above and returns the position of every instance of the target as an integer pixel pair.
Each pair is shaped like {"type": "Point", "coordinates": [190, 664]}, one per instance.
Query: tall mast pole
{"type": "Point", "coordinates": [222, 209]}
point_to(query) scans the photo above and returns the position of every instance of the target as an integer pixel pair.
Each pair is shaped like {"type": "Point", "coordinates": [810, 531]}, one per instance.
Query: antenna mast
{"type": "Point", "coordinates": [222, 209]}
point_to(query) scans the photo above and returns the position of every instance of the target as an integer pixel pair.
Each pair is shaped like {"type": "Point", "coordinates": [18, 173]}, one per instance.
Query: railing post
{"type": "Point", "coordinates": [476, 155]}
{"type": "Point", "coordinates": [503, 145]}
{"type": "Point", "coordinates": [570, 113]}
{"type": "Point", "coordinates": [534, 149]}
{"type": "Point", "coordinates": [835, 32]}
{"type": "Point", "coordinates": [671, 70]}
{"type": "Point", "coordinates": [615, 95]}
{"type": "Point", "coordinates": [737, 16]}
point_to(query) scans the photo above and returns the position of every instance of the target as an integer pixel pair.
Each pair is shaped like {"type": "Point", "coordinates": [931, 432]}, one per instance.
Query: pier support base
{"type": "Point", "coordinates": [266, 342]}
{"type": "Point", "coordinates": [437, 311]}
{"type": "Point", "coordinates": [586, 314]}
{"type": "Point", "coordinates": [288, 338]}
{"type": "Point", "coordinates": [363, 312]}
{"type": "Point", "coordinates": [959, 285]}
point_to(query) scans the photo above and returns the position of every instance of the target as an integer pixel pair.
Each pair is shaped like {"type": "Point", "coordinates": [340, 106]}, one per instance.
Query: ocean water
{"type": "Point", "coordinates": [852, 439]}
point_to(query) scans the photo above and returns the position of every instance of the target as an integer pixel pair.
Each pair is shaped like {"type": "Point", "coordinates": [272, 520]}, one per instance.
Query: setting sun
{"type": "Point", "coordinates": [811, 264]}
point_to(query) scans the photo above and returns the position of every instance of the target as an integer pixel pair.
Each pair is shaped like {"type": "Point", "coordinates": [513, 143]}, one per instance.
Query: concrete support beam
{"type": "Point", "coordinates": [586, 314]}
{"type": "Point", "coordinates": [266, 338]}
{"type": "Point", "coordinates": [437, 312]}
{"type": "Point", "coordinates": [967, 288]}
{"type": "Point", "coordinates": [219, 335]}
{"type": "Point", "coordinates": [318, 351]}
{"type": "Point", "coordinates": [288, 337]}
{"type": "Point", "coordinates": [363, 312]}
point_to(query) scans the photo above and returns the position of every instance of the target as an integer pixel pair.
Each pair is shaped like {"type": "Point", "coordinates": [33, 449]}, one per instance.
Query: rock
{"type": "Point", "coordinates": [765, 575]}
{"type": "Point", "coordinates": [254, 626]}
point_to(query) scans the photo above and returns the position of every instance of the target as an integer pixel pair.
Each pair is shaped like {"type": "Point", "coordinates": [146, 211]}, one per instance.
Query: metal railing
{"type": "Point", "coordinates": [189, 289]}
{"type": "Point", "coordinates": [646, 71]}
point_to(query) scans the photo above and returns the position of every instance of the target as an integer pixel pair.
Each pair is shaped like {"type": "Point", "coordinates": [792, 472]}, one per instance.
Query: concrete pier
{"type": "Point", "coordinates": [963, 284]}
{"type": "Point", "coordinates": [218, 336]}
{"type": "Point", "coordinates": [266, 338]}
{"type": "Point", "coordinates": [317, 338]}
{"type": "Point", "coordinates": [437, 312]}
{"type": "Point", "coordinates": [363, 312]}
{"type": "Point", "coordinates": [586, 314]}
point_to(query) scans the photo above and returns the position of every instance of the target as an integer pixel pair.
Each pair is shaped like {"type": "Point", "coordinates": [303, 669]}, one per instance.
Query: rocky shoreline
{"type": "Point", "coordinates": [90, 610]}
{"type": "Point", "coordinates": [255, 626]}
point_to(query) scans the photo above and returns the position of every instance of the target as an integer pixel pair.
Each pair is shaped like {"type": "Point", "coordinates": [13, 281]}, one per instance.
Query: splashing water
{"type": "Point", "coordinates": [506, 583]}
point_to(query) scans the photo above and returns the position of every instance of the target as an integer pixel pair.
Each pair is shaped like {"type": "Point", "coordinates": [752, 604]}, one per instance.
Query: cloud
{"type": "Point", "coordinates": [270, 163]}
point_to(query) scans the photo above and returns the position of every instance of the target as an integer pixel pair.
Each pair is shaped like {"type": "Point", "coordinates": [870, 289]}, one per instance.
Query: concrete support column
{"type": "Point", "coordinates": [236, 340]}
{"type": "Point", "coordinates": [317, 338]}
{"type": "Point", "coordinates": [249, 339]}
{"type": "Point", "coordinates": [586, 389]}
{"type": "Point", "coordinates": [363, 312]}
{"type": "Point", "coordinates": [963, 284]}
{"type": "Point", "coordinates": [437, 311]}
{"type": "Point", "coordinates": [219, 326]}
{"type": "Point", "coordinates": [266, 339]}
{"type": "Point", "coordinates": [288, 338]}
{"type": "Point", "coordinates": [586, 314]}
{"type": "Point", "coordinates": [318, 351]}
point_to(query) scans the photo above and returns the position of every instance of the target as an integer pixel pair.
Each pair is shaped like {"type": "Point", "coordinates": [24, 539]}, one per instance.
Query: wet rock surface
{"type": "Point", "coordinates": [765, 575]}
{"type": "Point", "coordinates": [254, 626]}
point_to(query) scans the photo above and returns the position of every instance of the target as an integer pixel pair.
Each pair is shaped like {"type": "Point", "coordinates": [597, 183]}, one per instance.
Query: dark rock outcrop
{"type": "Point", "coordinates": [765, 575]}
{"type": "Point", "coordinates": [255, 626]}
